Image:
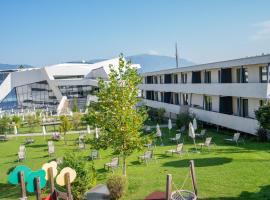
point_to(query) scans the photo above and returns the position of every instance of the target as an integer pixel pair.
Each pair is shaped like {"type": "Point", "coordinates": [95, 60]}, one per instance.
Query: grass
{"type": "Point", "coordinates": [226, 172]}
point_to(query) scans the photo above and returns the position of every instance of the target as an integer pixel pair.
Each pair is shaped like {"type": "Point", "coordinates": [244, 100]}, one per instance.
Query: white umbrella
{"type": "Point", "coordinates": [195, 124]}
{"type": "Point", "coordinates": [191, 133]}
{"type": "Point", "coordinates": [97, 133]}
{"type": "Point", "coordinates": [158, 133]}
{"type": "Point", "coordinates": [43, 131]}
{"type": "Point", "coordinates": [169, 124]}
{"type": "Point", "coordinates": [88, 129]}
{"type": "Point", "coordinates": [15, 130]}
{"type": "Point", "coordinates": [44, 118]}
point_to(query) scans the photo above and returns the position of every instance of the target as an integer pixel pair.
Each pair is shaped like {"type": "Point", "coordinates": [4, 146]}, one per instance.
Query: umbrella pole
{"type": "Point", "coordinates": [195, 144]}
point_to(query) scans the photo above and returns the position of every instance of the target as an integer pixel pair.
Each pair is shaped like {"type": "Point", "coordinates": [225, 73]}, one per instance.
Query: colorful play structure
{"type": "Point", "coordinates": [34, 181]}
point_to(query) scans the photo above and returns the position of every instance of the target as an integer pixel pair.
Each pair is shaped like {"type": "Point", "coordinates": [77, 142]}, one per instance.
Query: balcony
{"type": "Point", "coordinates": [251, 90]}
{"type": "Point", "coordinates": [237, 123]}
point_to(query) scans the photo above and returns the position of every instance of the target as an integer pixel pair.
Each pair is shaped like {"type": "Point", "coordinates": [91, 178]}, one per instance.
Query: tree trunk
{"type": "Point", "coordinates": [124, 172]}
{"type": "Point", "coordinates": [65, 138]}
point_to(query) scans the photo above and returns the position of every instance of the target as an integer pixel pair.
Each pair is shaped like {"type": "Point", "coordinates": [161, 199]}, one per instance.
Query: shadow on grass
{"type": "Point", "coordinates": [263, 194]}
{"type": "Point", "coordinates": [37, 145]}
{"type": "Point", "coordinates": [8, 191]}
{"type": "Point", "coordinates": [199, 162]}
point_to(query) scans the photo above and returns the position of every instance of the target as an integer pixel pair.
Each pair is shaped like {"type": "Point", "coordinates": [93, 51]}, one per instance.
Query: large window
{"type": "Point", "coordinates": [242, 105]}
{"type": "Point", "coordinates": [175, 78]}
{"type": "Point", "coordinates": [264, 74]}
{"type": "Point", "coordinates": [78, 91]}
{"type": "Point", "coordinates": [176, 99]}
{"type": "Point", "coordinates": [183, 77]}
{"type": "Point", "coordinates": [185, 99]}
{"type": "Point", "coordinates": [167, 78]}
{"type": "Point", "coordinates": [207, 77]}
{"type": "Point", "coordinates": [196, 77]}
{"type": "Point", "coordinates": [242, 75]}
{"type": "Point", "coordinates": [208, 103]}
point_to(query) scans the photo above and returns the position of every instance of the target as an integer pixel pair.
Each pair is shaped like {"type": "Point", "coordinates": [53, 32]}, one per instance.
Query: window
{"type": "Point", "coordinates": [196, 77]}
{"type": "Point", "coordinates": [219, 76]}
{"type": "Point", "coordinates": [149, 80]}
{"type": "Point", "coordinates": [207, 76]}
{"type": "Point", "coordinates": [242, 75]}
{"type": "Point", "coordinates": [242, 105]}
{"type": "Point", "coordinates": [208, 103]}
{"type": "Point", "coordinates": [160, 79]}
{"type": "Point", "coordinates": [156, 96]}
{"type": "Point", "coordinates": [155, 80]}
{"type": "Point", "coordinates": [162, 96]}
{"type": "Point", "coordinates": [264, 74]}
{"type": "Point", "coordinates": [183, 77]}
{"type": "Point", "coordinates": [175, 78]}
{"type": "Point", "coordinates": [168, 78]}
{"type": "Point", "coordinates": [185, 99]}
{"type": "Point", "coordinates": [176, 99]}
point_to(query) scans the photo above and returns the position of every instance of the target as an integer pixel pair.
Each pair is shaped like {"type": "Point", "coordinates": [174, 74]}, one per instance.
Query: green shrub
{"type": "Point", "coordinates": [183, 119]}
{"type": "Point", "coordinates": [86, 175]}
{"type": "Point", "coordinates": [156, 114]}
{"type": "Point", "coordinates": [117, 185]}
{"type": "Point", "coordinates": [263, 116]}
{"type": "Point", "coordinates": [262, 135]}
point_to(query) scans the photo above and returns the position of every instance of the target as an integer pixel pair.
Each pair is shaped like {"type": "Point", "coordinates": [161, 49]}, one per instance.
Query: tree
{"type": "Point", "coordinates": [116, 112]}
{"type": "Point", "coordinates": [16, 120]}
{"type": "Point", "coordinates": [75, 105]}
{"type": "Point", "coordinates": [86, 174]}
{"type": "Point", "coordinates": [4, 124]}
{"type": "Point", "coordinates": [30, 119]}
{"type": "Point", "coordinates": [263, 116]}
{"type": "Point", "coordinates": [76, 120]}
{"type": "Point", "coordinates": [65, 126]}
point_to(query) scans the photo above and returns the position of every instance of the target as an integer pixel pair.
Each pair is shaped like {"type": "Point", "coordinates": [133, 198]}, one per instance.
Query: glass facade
{"type": "Point", "coordinates": [38, 95]}
{"type": "Point", "coordinates": [77, 91]}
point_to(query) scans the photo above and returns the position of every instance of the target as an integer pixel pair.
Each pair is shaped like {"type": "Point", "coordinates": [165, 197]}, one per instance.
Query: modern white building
{"type": "Point", "coordinates": [223, 93]}
{"type": "Point", "coordinates": [53, 87]}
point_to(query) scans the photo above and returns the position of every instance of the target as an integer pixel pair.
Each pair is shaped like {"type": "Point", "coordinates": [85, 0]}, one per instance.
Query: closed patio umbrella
{"type": "Point", "coordinates": [191, 133]}
{"type": "Point", "coordinates": [169, 124]}
{"type": "Point", "coordinates": [97, 133]}
{"type": "Point", "coordinates": [44, 131]}
{"type": "Point", "coordinates": [15, 130]}
{"type": "Point", "coordinates": [159, 134]}
{"type": "Point", "coordinates": [88, 129]}
{"type": "Point", "coordinates": [195, 124]}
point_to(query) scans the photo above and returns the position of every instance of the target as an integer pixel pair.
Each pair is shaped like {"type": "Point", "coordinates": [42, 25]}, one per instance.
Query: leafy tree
{"type": "Point", "coordinates": [65, 126]}
{"type": "Point", "coordinates": [86, 174]}
{"type": "Point", "coordinates": [116, 112]}
{"type": "Point", "coordinates": [184, 118]}
{"type": "Point", "coordinates": [16, 120]}
{"type": "Point", "coordinates": [157, 114]}
{"type": "Point", "coordinates": [76, 120]}
{"type": "Point", "coordinates": [75, 107]}
{"type": "Point", "coordinates": [4, 124]}
{"type": "Point", "coordinates": [263, 116]}
{"type": "Point", "coordinates": [30, 119]}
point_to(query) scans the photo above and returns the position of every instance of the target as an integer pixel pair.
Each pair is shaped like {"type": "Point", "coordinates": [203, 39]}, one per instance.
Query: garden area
{"type": "Point", "coordinates": [227, 171]}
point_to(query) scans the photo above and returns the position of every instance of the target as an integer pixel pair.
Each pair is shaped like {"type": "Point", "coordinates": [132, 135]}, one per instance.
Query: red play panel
{"type": "Point", "coordinates": [157, 195]}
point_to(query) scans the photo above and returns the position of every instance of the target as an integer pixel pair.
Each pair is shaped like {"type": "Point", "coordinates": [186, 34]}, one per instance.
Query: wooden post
{"type": "Point", "coordinates": [168, 187]}
{"type": "Point", "coordinates": [68, 187]}
{"type": "Point", "coordinates": [193, 176]}
{"type": "Point", "coordinates": [37, 188]}
{"type": "Point", "coordinates": [51, 180]}
{"type": "Point", "coordinates": [22, 183]}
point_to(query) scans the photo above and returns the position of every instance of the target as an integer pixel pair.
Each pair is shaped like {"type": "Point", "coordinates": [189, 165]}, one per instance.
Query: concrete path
{"type": "Point", "coordinates": [41, 134]}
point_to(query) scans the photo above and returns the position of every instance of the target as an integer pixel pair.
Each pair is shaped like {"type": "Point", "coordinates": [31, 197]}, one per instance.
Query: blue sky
{"type": "Point", "coordinates": [53, 31]}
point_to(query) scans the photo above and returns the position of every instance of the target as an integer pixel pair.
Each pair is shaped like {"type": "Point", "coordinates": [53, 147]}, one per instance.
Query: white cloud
{"type": "Point", "coordinates": [153, 52]}
{"type": "Point", "coordinates": [262, 31]}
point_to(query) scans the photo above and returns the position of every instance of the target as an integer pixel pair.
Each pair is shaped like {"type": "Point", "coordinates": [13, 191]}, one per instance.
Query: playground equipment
{"type": "Point", "coordinates": [33, 181]}
{"type": "Point", "coordinates": [181, 194]}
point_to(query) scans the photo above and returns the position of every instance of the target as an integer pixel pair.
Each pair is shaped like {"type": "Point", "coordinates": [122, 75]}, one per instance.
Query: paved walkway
{"type": "Point", "coordinates": [41, 134]}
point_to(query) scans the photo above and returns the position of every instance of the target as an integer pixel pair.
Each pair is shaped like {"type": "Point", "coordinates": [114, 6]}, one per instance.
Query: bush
{"type": "Point", "coordinates": [263, 116]}
{"type": "Point", "coordinates": [86, 175]}
{"type": "Point", "coordinates": [183, 119]}
{"type": "Point", "coordinates": [156, 114]}
{"type": "Point", "coordinates": [117, 185]}
{"type": "Point", "coordinates": [262, 135]}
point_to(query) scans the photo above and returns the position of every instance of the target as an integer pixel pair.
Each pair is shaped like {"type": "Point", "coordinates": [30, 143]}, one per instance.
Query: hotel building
{"type": "Point", "coordinates": [223, 93]}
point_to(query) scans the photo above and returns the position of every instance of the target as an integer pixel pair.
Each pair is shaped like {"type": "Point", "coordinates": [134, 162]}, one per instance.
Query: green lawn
{"type": "Point", "coordinates": [226, 172]}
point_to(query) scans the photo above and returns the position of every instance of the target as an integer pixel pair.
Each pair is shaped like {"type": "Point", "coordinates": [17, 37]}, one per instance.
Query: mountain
{"type": "Point", "coordinates": [12, 66]}
{"type": "Point", "coordinates": [157, 62]}
{"type": "Point", "coordinates": [152, 62]}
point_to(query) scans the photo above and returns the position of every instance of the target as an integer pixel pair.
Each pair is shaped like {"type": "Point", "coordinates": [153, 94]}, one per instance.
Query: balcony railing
{"type": "Point", "coordinates": [251, 90]}
{"type": "Point", "coordinates": [237, 123]}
